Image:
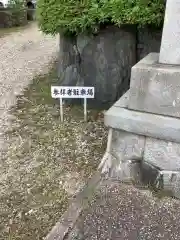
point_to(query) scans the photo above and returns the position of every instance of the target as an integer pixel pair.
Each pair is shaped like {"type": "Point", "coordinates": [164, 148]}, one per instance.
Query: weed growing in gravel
{"type": "Point", "coordinates": [46, 161]}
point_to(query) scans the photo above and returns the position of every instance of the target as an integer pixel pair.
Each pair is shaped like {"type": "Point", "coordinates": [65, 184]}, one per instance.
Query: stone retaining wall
{"type": "Point", "coordinates": [148, 40]}
{"type": "Point", "coordinates": [10, 17]}
{"type": "Point", "coordinates": [105, 60]}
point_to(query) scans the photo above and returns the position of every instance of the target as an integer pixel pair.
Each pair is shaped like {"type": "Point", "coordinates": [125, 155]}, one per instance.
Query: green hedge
{"type": "Point", "coordinates": [76, 16]}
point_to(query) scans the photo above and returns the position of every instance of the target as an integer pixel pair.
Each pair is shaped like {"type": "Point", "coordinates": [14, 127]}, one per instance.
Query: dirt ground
{"type": "Point", "coordinates": [45, 162]}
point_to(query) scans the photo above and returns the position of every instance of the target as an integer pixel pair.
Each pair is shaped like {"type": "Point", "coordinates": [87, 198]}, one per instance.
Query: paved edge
{"type": "Point", "coordinates": [76, 206]}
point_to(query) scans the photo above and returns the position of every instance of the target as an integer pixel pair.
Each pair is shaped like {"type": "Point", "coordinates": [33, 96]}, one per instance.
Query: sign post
{"type": "Point", "coordinates": [59, 92]}
{"type": "Point", "coordinates": [61, 109]}
{"type": "Point", "coordinates": [85, 109]}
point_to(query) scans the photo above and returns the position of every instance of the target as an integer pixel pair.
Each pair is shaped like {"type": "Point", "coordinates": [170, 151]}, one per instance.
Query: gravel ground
{"type": "Point", "coordinates": [122, 212]}
{"type": "Point", "coordinates": [43, 162]}
{"type": "Point", "coordinates": [23, 55]}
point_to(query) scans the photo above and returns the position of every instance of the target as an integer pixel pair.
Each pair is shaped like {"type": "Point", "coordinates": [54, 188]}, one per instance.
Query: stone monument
{"type": "Point", "coordinates": [144, 124]}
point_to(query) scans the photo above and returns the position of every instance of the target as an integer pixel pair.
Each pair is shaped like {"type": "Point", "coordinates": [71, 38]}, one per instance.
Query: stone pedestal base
{"type": "Point", "coordinates": [144, 147]}
{"type": "Point", "coordinates": [155, 87]}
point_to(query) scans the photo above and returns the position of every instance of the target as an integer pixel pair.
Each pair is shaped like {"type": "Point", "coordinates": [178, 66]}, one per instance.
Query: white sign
{"type": "Point", "coordinates": [72, 92]}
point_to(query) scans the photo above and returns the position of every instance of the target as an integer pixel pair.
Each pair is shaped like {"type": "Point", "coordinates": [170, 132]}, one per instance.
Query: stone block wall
{"type": "Point", "coordinates": [12, 17]}
{"type": "Point", "coordinates": [148, 40]}
{"type": "Point", "coordinates": [144, 160]}
{"type": "Point", "coordinates": [105, 60]}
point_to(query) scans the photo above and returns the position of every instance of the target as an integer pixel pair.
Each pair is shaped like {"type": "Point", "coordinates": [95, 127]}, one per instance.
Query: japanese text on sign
{"type": "Point", "coordinates": [72, 92]}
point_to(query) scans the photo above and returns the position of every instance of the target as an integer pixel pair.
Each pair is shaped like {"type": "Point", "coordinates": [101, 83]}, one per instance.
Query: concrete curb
{"type": "Point", "coordinates": [69, 218]}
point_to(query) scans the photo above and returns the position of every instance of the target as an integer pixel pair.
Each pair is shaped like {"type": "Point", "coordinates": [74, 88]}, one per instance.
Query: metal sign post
{"type": "Point", "coordinates": [59, 92]}
{"type": "Point", "coordinates": [61, 109]}
{"type": "Point", "coordinates": [85, 109]}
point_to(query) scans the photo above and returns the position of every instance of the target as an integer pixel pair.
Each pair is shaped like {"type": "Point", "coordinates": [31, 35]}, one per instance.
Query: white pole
{"type": "Point", "coordinates": [85, 109]}
{"type": "Point", "coordinates": [61, 109]}
{"type": "Point", "coordinates": [107, 155]}
{"type": "Point", "coordinates": [170, 43]}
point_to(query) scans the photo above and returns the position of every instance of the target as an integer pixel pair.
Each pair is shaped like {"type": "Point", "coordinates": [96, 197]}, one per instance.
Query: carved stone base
{"type": "Point", "coordinates": [139, 153]}
{"type": "Point", "coordinates": [150, 166]}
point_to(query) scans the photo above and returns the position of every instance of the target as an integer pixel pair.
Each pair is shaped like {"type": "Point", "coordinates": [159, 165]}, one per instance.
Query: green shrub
{"type": "Point", "coordinates": [76, 16]}
{"type": "Point", "coordinates": [16, 13]}
{"type": "Point", "coordinates": [17, 4]}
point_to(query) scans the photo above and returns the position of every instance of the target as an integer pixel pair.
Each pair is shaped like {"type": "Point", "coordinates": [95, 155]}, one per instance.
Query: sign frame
{"type": "Point", "coordinates": [76, 92]}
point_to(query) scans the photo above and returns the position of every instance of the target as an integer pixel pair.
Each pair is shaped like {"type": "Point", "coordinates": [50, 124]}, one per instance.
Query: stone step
{"type": "Point", "coordinates": [142, 123]}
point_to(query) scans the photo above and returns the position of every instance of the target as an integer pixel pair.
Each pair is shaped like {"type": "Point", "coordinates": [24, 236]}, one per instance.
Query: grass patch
{"type": "Point", "coordinates": [46, 161]}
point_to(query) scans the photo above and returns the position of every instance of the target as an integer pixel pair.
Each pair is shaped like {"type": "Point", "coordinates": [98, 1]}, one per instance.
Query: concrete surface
{"type": "Point", "coordinates": [163, 154]}
{"type": "Point", "coordinates": [123, 212]}
{"type": "Point", "coordinates": [170, 44]}
{"type": "Point", "coordinates": [154, 87]}
{"type": "Point", "coordinates": [143, 160]}
{"type": "Point", "coordinates": [144, 148]}
{"type": "Point", "coordinates": [125, 156]}
{"type": "Point", "coordinates": [127, 145]}
{"type": "Point", "coordinates": [152, 125]}
{"type": "Point", "coordinates": [123, 101]}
